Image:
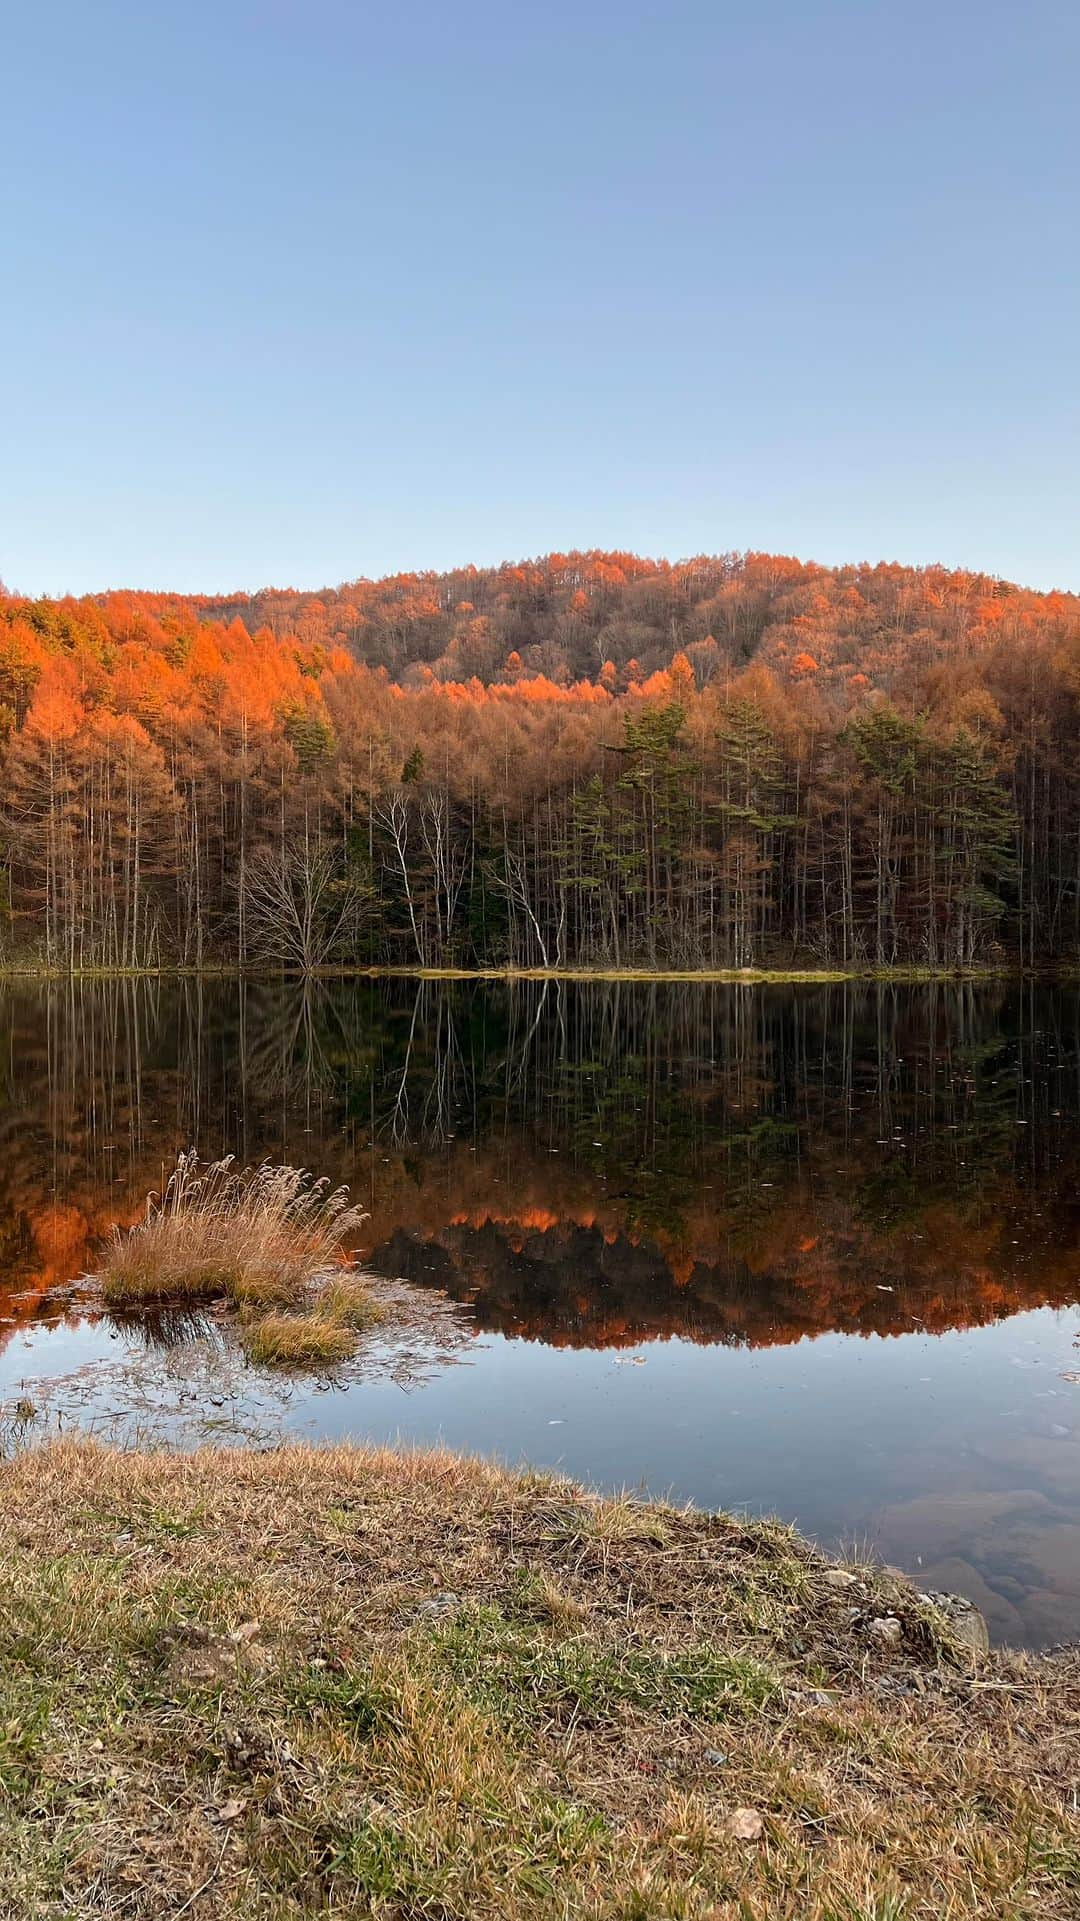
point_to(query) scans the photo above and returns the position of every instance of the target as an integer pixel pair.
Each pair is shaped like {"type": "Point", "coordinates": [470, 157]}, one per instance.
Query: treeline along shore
{"type": "Point", "coordinates": [589, 761]}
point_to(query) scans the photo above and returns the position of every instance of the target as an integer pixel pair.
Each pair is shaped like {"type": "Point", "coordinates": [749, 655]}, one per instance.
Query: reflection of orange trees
{"type": "Point", "coordinates": [569, 1291]}
{"type": "Point", "coordinates": [567, 1270]}
{"type": "Point", "coordinates": [57, 1245]}
{"type": "Point", "coordinates": [86, 1129]}
{"type": "Point", "coordinates": [603, 1165]}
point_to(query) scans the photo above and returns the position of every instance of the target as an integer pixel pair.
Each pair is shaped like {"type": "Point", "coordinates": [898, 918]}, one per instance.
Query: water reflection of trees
{"type": "Point", "coordinates": [587, 1163]}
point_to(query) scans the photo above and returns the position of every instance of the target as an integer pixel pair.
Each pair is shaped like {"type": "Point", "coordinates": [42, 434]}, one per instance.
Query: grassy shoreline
{"type": "Point", "coordinates": [722, 976]}
{"type": "Point", "coordinates": [344, 1680]}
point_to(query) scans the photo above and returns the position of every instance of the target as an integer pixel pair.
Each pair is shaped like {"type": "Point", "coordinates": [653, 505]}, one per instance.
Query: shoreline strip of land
{"type": "Point", "coordinates": [343, 1679]}
{"type": "Point", "coordinates": [14, 972]}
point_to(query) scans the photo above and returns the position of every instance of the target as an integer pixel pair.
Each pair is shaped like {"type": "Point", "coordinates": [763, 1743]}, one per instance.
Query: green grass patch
{"type": "Point", "coordinates": [297, 1340]}
{"type": "Point", "coordinates": [512, 1670]}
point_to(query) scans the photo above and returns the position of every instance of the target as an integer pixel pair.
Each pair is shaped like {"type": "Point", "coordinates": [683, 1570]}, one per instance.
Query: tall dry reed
{"type": "Point", "coordinates": [261, 1236]}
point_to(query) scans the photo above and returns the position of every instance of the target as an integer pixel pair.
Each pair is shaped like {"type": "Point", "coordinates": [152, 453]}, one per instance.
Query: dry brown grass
{"type": "Point", "coordinates": [268, 1240]}
{"type": "Point", "coordinates": [344, 1681]}
{"type": "Point", "coordinates": [259, 1235]}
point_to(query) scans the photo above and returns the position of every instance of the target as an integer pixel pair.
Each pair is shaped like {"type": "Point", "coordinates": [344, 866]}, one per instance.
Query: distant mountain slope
{"type": "Point", "coordinates": [615, 617]}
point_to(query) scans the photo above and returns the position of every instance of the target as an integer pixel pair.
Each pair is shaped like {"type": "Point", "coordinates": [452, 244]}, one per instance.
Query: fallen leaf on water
{"type": "Point", "coordinates": [746, 1824]}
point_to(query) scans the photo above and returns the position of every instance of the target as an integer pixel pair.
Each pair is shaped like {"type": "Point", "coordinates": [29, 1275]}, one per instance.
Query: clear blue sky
{"type": "Point", "coordinates": [299, 290]}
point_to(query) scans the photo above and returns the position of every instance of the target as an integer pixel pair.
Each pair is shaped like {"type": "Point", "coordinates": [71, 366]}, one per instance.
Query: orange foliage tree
{"type": "Point", "coordinates": [593, 758]}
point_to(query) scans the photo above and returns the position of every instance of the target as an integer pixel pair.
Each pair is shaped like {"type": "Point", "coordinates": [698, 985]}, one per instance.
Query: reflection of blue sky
{"type": "Point", "coordinates": [963, 1448]}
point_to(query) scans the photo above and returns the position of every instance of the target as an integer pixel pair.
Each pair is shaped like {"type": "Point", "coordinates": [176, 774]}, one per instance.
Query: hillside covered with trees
{"type": "Point", "coordinates": [589, 759]}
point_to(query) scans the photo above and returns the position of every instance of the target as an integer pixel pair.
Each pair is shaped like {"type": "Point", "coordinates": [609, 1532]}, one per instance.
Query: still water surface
{"type": "Point", "coordinates": [811, 1251]}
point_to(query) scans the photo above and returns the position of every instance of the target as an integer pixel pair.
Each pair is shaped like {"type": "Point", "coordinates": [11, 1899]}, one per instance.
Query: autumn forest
{"type": "Point", "coordinates": [589, 760]}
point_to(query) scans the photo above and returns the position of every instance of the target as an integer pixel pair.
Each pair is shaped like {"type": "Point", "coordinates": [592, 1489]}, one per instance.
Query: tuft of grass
{"type": "Point", "coordinates": [297, 1340]}
{"type": "Point", "coordinates": [346, 1300]}
{"type": "Point", "coordinates": [621, 1517]}
{"type": "Point", "coordinates": [259, 1235]}
{"type": "Point", "coordinates": [322, 1337]}
{"type": "Point", "coordinates": [544, 1598]}
{"type": "Point", "coordinates": [258, 1288]}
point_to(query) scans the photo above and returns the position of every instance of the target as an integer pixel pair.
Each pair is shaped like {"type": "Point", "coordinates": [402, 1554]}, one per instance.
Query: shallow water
{"type": "Point", "coordinates": [813, 1251]}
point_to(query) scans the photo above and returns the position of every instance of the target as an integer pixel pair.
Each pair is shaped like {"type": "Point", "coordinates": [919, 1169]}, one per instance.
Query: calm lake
{"type": "Point", "coordinates": [803, 1250]}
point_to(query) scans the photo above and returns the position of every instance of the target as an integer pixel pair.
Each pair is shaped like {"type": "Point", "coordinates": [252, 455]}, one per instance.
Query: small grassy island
{"type": "Point", "coordinates": [342, 1681]}
{"type": "Point", "coordinates": [267, 1240]}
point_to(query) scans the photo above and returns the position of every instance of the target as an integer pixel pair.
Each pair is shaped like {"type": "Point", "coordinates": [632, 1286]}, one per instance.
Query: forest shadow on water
{"type": "Point", "coordinates": [807, 1250]}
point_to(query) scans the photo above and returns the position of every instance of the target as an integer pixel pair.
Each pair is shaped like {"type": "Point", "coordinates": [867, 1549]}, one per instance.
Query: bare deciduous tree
{"type": "Point", "coordinates": [300, 907]}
